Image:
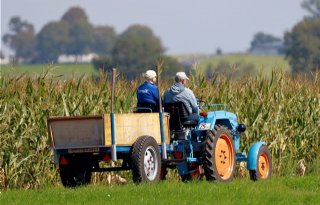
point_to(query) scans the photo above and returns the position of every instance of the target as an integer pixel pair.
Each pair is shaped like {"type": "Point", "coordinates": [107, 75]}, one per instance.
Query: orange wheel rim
{"type": "Point", "coordinates": [263, 165]}
{"type": "Point", "coordinates": [224, 157]}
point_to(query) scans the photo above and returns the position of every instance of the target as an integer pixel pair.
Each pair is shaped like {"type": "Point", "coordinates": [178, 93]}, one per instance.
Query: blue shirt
{"type": "Point", "coordinates": [148, 93]}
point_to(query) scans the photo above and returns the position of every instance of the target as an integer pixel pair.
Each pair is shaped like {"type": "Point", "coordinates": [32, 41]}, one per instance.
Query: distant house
{"type": "Point", "coordinates": [270, 48]}
{"type": "Point", "coordinates": [4, 60]}
{"type": "Point", "coordinates": [77, 58]}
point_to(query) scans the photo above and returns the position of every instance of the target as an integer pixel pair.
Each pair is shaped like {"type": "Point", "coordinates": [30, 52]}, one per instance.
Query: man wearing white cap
{"type": "Point", "coordinates": [180, 93]}
{"type": "Point", "coordinates": [147, 93]}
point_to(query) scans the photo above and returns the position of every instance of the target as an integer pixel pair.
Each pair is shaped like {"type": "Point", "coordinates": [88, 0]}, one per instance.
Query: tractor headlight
{"type": "Point", "coordinates": [241, 128]}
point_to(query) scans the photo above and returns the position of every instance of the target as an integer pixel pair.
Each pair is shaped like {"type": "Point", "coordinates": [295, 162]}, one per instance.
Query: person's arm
{"type": "Point", "coordinates": [193, 102]}
{"type": "Point", "coordinates": [155, 94]}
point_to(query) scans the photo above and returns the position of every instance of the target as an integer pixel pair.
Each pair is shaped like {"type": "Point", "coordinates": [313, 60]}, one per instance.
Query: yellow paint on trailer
{"type": "Point", "coordinates": [130, 126]}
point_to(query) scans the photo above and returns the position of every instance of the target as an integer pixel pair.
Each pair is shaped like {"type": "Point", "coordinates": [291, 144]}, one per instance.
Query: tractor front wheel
{"type": "Point", "coordinates": [219, 157]}
{"type": "Point", "coordinates": [264, 165]}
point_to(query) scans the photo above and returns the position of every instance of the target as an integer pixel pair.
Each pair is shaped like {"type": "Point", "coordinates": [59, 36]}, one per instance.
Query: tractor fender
{"type": "Point", "coordinates": [253, 155]}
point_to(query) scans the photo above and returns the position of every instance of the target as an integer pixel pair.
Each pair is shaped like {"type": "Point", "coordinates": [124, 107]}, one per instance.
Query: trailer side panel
{"type": "Point", "coordinates": [128, 127]}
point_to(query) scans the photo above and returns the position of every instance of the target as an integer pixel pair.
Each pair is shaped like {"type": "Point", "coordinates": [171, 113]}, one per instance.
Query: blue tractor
{"type": "Point", "coordinates": [210, 147]}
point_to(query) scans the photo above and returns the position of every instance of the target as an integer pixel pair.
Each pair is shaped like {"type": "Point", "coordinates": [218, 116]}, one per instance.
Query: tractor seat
{"type": "Point", "coordinates": [179, 116]}
{"type": "Point", "coordinates": [190, 122]}
{"type": "Point", "coordinates": [143, 107]}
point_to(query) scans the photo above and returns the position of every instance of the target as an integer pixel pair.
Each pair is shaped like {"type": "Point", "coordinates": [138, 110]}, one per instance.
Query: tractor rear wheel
{"type": "Point", "coordinates": [219, 158]}
{"type": "Point", "coordinates": [264, 165]}
{"type": "Point", "coordinates": [146, 160]}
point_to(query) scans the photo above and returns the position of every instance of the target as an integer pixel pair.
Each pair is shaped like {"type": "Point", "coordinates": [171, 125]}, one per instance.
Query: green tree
{"type": "Point", "coordinates": [21, 38]}
{"type": "Point", "coordinates": [105, 37]}
{"type": "Point", "coordinates": [261, 38]}
{"type": "Point", "coordinates": [136, 50]}
{"type": "Point", "coordinates": [313, 7]}
{"type": "Point", "coordinates": [81, 33]}
{"type": "Point", "coordinates": [73, 35]}
{"type": "Point", "coordinates": [103, 63]}
{"type": "Point", "coordinates": [75, 14]}
{"type": "Point", "coordinates": [81, 37]}
{"type": "Point", "coordinates": [170, 67]}
{"type": "Point", "coordinates": [52, 40]}
{"type": "Point", "coordinates": [303, 46]}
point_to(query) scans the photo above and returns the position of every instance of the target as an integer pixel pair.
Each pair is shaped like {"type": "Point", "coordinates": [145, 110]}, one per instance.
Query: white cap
{"type": "Point", "coordinates": [181, 76]}
{"type": "Point", "coordinates": [150, 74]}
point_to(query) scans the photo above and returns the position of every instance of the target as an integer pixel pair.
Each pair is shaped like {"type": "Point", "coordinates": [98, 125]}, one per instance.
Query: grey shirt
{"type": "Point", "coordinates": [179, 93]}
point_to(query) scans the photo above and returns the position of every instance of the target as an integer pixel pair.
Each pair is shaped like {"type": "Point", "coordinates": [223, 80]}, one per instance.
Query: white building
{"type": "Point", "coordinates": [77, 58]}
{"type": "Point", "coordinates": [4, 61]}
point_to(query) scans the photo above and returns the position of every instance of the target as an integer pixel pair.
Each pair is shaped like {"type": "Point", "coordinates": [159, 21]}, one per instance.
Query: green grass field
{"type": "Point", "coordinates": [61, 70]}
{"type": "Point", "coordinates": [267, 62]}
{"type": "Point", "coordinates": [294, 190]}
{"type": "Point", "coordinates": [264, 64]}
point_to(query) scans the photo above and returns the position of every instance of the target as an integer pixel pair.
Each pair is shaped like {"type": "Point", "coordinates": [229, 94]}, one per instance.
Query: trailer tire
{"type": "Point", "coordinates": [73, 175]}
{"type": "Point", "coordinates": [264, 165]}
{"type": "Point", "coordinates": [219, 158]}
{"type": "Point", "coordinates": [146, 160]}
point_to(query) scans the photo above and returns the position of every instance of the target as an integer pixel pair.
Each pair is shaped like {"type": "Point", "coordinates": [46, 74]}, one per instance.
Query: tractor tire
{"type": "Point", "coordinates": [264, 165]}
{"type": "Point", "coordinates": [219, 156]}
{"type": "Point", "coordinates": [73, 175]}
{"type": "Point", "coordinates": [146, 160]}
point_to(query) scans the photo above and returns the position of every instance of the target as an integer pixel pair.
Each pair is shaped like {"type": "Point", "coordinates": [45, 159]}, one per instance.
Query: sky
{"type": "Point", "coordinates": [184, 26]}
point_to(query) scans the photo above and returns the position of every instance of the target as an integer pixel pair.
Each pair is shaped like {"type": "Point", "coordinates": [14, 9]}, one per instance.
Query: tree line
{"type": "Point", "coordinates": [133, 51]}
{"type": "Point", "coordinates": [303, 41]}
{"type": "Point", "coordinates": [137, 48]}
{"type": "Point", "coordinates": [301, 45]}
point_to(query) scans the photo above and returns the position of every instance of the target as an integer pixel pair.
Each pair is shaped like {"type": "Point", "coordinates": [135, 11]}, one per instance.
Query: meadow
{"type": "Point", "coordinates": [261, 64]}
{"type": "Point", "coordinates": [279, 109]}
{"type": "Point", "coordinates": [265, 64]}
{"type": "Point", "coordinates": [59, 70]}
{"type": "Point", "coordinates": [285, 190]}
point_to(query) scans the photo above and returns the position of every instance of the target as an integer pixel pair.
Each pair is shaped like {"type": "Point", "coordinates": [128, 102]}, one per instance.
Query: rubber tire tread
{"type": "Point", "coordinates": [254, 175]}
{"type": "Point", "coordinates": [210, 171]}
{"type": "Point", "coordinates": [137, 159]}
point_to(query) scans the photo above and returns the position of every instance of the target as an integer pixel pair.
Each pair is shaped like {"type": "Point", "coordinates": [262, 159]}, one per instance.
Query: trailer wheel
{"type": "Point", "coordinates": [264, 165]}
{"type": "Point", "coordinates": [146, 160]}
{"type": "Point", "coordinates": [219, 157]}
{"type": "Point", "coordinates": [73, 175]}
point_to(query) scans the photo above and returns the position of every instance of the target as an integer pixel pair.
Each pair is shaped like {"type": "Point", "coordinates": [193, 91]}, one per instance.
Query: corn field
{"type": "Point", "coordinates": [281, 110]}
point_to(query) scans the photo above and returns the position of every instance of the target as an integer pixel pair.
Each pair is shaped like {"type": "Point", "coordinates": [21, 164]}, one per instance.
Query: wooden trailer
{"type": "Point", "coordinates": [95, 131]}
{"type": "Point", "coordinates": [81, 143]}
